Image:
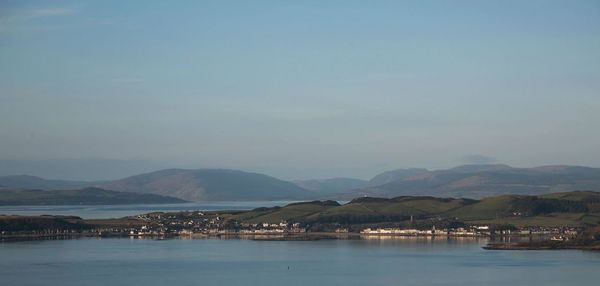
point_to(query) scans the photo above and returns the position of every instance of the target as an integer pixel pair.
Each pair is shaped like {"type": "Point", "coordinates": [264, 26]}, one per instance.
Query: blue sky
{"type": "Point", "coordinates": [301, 89]}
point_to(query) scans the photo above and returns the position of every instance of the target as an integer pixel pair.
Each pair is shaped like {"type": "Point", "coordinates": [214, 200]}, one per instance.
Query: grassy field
{"type": "Point", "coordinates": [573, 196]}
{"type": "Point", "coordinates": [488, 208]}
{"type": "Point", "coordinates": [550, 220]}
{"type": "Point", "coordinates": [276, 215]}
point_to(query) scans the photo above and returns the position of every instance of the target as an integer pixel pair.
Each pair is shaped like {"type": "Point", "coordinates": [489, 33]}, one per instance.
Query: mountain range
{"type": "Point", "coordinates": [478, 181]}
{"type": "Point", "coordinates": [467, 181]}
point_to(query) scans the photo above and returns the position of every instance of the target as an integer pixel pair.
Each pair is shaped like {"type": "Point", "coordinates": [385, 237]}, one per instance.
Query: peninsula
{"type": "Point", "coordinates": [568, 220]}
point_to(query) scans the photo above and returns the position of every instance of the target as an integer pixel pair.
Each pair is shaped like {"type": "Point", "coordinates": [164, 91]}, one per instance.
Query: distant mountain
{"type": "Point", "coordinates": [467, 181]}
{"type": "Point", "coordinates": [332, 186]}
{"type": "Point", "coordinates": [87, 196]}
{"type": "Point", "coordinates": [477, 181]}
{"type": "Point", "coordinates": [89, 169]}
{"type": "Point", "coordinates": [395, 175]}
{"type": "Point", "coordinates": [210, 185]}
{"type": "Point", "coordinates": [347, 187]}
{"type": "Point", "coordinates": [477, 168]}
{"type": "Point", "coordinates": [32, 182]}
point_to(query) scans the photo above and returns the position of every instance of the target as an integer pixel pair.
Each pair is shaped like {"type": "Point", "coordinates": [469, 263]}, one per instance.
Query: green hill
{"type": "Point", "coordinates": [487, 208]}
{"type": "Point", "coordinates": [573, 208]}
{"type": "Point", "coordinates": [296, 211]}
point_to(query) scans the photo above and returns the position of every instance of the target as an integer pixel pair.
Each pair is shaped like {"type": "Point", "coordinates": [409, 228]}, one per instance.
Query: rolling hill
{"type": "Point", "coordinates": [557, 209]}
{"type": "Point", "coordinates": [210, 185]}
{"type": "Point", "coordinates": [395, 175]}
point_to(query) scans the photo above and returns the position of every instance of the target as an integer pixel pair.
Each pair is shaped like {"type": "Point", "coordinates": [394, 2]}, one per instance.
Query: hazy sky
{"type": "Point", "coordinates": [301, 89]}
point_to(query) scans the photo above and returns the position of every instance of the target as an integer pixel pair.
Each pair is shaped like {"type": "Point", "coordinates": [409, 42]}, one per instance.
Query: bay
{"type": "Point", "coordinates": [409, 261]}
{"type": "Point", "coordinates": [117, 211]}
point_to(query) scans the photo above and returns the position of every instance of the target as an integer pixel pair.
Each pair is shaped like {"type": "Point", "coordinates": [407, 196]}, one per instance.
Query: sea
{"type": "Point", "coordinates": [375, 261]}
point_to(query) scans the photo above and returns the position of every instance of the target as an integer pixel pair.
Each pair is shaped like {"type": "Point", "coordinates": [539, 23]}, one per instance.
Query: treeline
{"type": "Point", "coordinates": [346, 219]}
{"type": "Point", "coordinates": [40, 223]}
{"type": "Point", "coordinates": [531, 206]}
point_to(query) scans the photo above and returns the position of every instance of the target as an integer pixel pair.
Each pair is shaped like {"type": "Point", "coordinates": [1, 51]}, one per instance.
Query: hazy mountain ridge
{"type": "Point", "coordinates": [210, 185]}
{"type": "Point", "coordinates": [33, 182]}
{"type": "Point", "coordinates": [84, 169]}
{"type": "Point", "coordinates": [468, 181]}
{"type": "Point", "coordinates": [477, 181]}
{"type": "Point", "coordinates": [332, 186]}
{"type": "Point", "coordinates": [87, 196]}
{"type": "Point", "coordinates": [394, 175]}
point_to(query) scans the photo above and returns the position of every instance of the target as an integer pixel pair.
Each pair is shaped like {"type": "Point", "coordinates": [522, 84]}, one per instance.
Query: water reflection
{"type": "Point", "coordinates": [228, 260]}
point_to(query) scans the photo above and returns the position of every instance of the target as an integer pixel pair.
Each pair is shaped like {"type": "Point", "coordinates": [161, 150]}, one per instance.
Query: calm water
{"type": "Point", "coordinates": [115, 211]}
{"type": "Point", "coordinates": [245, 262]}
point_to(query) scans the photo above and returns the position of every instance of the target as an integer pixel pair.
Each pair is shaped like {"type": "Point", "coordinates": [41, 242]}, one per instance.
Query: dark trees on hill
{"type": "Point", "coordinates": [535, 206]}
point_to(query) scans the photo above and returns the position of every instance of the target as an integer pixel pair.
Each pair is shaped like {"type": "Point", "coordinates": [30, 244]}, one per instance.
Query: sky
{"type": "Point", "coordinates": [300, 89]}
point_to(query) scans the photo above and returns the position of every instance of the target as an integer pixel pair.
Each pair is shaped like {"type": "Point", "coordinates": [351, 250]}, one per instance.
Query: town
{"type": "Point", "coordinates": [216, 224]}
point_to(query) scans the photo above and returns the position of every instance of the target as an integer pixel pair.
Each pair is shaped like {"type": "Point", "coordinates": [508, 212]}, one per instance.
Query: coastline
{"type": "Point", "coordinates": [542, 245]}
{"type": "Point", "coordinates": [538, 244]}
{"type": "Point", "coordinates": [304, 236]}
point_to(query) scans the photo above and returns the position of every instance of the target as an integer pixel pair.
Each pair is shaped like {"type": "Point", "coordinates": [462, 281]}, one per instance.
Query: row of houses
{"type": "Point", "coordinates": [416, 232]}
{"type": "Point", "coordinates": [481, 230]}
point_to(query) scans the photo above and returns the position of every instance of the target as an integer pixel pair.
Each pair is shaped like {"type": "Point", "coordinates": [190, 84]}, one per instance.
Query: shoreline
{"type": "Point", "coordinates": [307, 236]}
{"type": "Point", "coordinates": [314, 236]}
{"type": "Point", "coordinates": [541, 245]}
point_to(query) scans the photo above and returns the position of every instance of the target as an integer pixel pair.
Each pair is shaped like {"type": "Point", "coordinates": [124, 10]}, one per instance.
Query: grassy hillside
{"type": "Point", "coordinates": [296, 211]}
{"type": "Point", "coordinates": [358, 210]}
{"type": "Point", "coordinates": [575, 208]}
{"type": "Point", "coordinates": [574, 196]}
{"type": "Point", "coordinates": [401, 206]}
{"type": "Point", "coordinates": [487, 208]}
